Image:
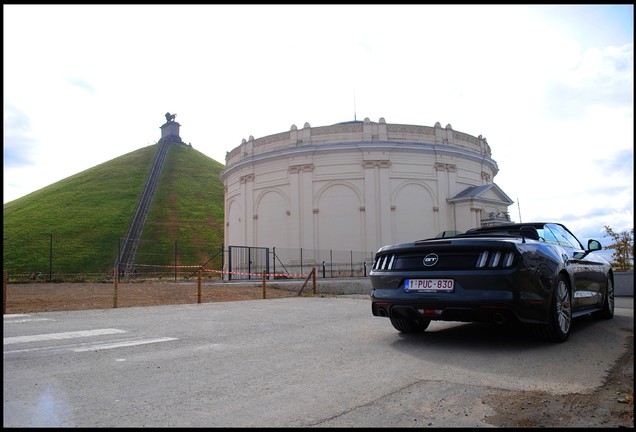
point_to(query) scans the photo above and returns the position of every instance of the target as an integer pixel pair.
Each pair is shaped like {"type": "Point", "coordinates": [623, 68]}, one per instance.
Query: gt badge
{"type": "Point", "coordinates": [430, 260]}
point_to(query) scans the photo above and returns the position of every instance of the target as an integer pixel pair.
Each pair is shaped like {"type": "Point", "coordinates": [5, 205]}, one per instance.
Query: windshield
{"type": "Point", "coordinates": [556, 234]}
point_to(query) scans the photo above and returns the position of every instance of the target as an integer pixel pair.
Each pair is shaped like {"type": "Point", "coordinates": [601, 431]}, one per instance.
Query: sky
{"type": "Point", "coordinates": [550, 87]}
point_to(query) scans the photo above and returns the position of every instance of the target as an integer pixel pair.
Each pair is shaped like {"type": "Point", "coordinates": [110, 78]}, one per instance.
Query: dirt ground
{"type": "Point", "coordinates": [611, 406]}
{"type": "Point", "coordinates": [49, 297]}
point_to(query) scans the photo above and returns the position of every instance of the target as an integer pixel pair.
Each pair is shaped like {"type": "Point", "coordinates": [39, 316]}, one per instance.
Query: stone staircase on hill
{"type": "Point", "coordinates": [128, 250]}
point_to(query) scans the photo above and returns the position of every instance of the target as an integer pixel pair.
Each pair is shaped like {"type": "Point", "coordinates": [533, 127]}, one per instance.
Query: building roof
{"type": "Point", "coordinates": [350, 122]}
{"type": "Point", "coordinates": [488, 191]}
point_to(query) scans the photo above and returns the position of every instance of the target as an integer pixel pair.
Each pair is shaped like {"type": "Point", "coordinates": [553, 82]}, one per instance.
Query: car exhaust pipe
{"type": "Point", "coordinates": [382, 312]}
{"type": "Point", "coordinates": [498, 318]}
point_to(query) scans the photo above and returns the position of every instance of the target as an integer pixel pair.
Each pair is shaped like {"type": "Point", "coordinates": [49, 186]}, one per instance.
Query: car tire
{"type": "Point", "coordinates": [404, 325]}
{"type": "Point", "coordinates": [557, 329]}
{"type": "Point", "coordinates": [607, 312]}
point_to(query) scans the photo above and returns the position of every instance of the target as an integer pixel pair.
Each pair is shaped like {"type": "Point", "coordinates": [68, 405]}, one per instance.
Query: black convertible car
{"type": "Point", "coordinates": [535, 273]}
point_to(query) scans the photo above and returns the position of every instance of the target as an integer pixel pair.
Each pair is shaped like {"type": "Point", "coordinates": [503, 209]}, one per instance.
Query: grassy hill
{"type": "Point", "coordinates": [75, 226]}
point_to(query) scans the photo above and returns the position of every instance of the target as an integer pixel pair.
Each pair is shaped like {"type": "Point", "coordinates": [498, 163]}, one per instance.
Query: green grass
{"type": "Point", "coordinates": [187, 209]}
{"type": "Point", "coordinates": [87, 216]}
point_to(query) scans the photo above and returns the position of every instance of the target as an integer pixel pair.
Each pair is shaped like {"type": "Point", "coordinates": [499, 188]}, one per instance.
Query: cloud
{"type": "Point", "coordinates": [19, 147]}
{"type": "Point", "coordinates": [551, 87]}
{"type": "Point", "coordinates": [620, 163]}
{"type": "Point", "coordinates": [600, 77]}
{"type": "Point", "coordinates": [81, 84]}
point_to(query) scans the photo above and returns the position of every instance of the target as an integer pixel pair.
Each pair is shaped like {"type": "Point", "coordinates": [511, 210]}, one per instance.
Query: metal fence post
{"type": "Point", "coordinates": [5, 281]}
{"type": "Point", "coordinates": [199, 288]}
{"type": "Point", "coordinates": [351, 263]}
{"type": "Point", "coordinates": [51, 258]}
{"type": "Point", "coordinates": [175, 260]}
{"type": "Point", "coordinates": [116, 271]}
{"type": "Point", "coordinates": [330, 263]}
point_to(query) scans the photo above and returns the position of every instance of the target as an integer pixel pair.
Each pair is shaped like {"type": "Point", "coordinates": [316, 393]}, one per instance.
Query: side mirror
{"type": "Point", "coordinates": [594, 245]}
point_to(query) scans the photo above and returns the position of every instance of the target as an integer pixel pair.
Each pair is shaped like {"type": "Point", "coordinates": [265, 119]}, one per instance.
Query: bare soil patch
{"type": "Point", "coordinates": [610, 406]}
{"type": "Point", "coordinates": [49, 297]}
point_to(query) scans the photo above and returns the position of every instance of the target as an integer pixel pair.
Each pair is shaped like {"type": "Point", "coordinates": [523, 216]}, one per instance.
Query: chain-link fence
{"type": "Point", "coordinates": [328, 263]}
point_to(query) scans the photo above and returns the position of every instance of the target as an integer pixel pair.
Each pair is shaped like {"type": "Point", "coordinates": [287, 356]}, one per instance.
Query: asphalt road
{"type": "Point", "coordinates": [293, 362]}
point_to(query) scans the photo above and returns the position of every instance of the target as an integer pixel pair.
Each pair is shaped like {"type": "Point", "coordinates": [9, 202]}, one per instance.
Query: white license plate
{"type": "Point", "coordinates": [429, 285]}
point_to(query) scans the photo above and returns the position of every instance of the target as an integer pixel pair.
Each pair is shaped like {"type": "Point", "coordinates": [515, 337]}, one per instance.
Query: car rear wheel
{"type": "Point", "coordinates": [559, 322]}
{"type": "Point", "coordinates": [405, 325]}
{"type": "Point", "coordinates": [607, 312]}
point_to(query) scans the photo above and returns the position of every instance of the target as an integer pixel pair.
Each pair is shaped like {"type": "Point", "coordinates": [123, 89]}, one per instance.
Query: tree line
{"type": "Point", "coordinates": [623, 246]}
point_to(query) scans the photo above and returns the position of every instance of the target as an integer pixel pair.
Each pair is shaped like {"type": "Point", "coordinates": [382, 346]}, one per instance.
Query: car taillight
{"type": "Point", "coordinates": [384, 262]}
{"type": "Point", "coordinates": [495, 259]}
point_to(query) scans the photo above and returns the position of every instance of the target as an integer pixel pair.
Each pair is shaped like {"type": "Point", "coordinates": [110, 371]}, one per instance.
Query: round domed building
{"type": "Point", "coordinates": [359, 185]}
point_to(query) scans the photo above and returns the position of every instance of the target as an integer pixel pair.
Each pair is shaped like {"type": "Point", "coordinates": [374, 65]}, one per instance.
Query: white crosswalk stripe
{"type": "Point", "coordinates": [63, 335]}
{"type": "Point", "coordinates": [97, 347]}
{"type": "Point", "coordinates": [23, 320]}
{"type": "Point", "coordinates": [78, 347]}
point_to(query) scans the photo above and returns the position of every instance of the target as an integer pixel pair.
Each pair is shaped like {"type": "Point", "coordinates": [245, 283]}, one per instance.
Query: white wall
{"type": "Point", "coordinates": [356, 186]}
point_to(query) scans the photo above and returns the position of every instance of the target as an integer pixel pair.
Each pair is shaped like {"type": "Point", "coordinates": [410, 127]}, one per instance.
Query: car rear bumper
{"type": "Point", "coordinates": [501, 297]}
